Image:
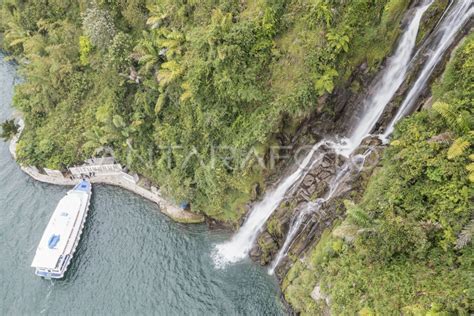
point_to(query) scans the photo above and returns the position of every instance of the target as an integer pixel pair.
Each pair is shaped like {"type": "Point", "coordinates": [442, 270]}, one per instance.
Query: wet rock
{"type": "Point", "coordinates": [428, 103]}
{"type": "Point", "coordinates": [364, 67]}
{"type": "Point", "coordinates": [368, 145]}
{"type": "Point", "coordinates": [341, 160]}
{"type": "Point", "coordinates": [320, 191]}
{"type": "Point", "coordinates": [431, 18]}
{"type": "Point", "coordinates": [218, 225]}
{"type": "Point", "coordinates": [303, 196]}
{"type": "Point", "coordinates": [321, 103]}
{"type": "Point", "coordinates": [324, 175]}
{"type": "Point", "coordinates": [370, 141]}
{"type": "Point", "coordinates": [255, 253]}
{"type": "Point", "coordinates": [326, 163]}
{"type": "Point", "coordinates": [255, 192]}
{"type": "Point", "coordinates": [308, 180]}
{"type": "Point", "coordinates": [312, 189]}
{"type": "Point", "coordinates": [277, 226]}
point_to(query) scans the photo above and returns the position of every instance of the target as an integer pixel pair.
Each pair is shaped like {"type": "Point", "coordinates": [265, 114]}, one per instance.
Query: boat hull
{"type": "Point", "coordinates": [66, 225]}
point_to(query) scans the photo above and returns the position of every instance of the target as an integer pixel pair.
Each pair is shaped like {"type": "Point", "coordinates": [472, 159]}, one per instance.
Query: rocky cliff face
{"type": "Point", "coordinates": [315, 184]}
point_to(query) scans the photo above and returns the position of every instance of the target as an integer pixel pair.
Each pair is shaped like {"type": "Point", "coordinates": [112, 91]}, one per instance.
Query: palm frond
{"type": "Point", "coordinates": [465, 236]}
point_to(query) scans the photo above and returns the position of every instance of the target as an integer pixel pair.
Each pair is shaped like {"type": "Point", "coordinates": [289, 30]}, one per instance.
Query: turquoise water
{"type": "Point", "coordinates": [131, 259]}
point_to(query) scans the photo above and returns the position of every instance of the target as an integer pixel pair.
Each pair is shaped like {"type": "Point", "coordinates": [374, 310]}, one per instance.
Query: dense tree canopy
{"type": "Point", "coordinates": [165, 83]}
{"type": "Point", "coordinates": [169, 85]}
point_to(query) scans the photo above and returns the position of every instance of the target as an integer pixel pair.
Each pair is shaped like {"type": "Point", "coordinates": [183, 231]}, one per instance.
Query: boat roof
{"type": "Point", "coordinates": [58, 231]}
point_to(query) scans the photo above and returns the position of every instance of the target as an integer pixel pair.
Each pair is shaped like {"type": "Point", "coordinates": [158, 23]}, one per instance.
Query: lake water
{"type": "Point", "coordinates": [131, 259]}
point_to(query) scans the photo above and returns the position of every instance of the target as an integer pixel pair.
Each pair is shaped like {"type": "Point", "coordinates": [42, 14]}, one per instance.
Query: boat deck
{"type": "Point", "coordinates": [61, 233]}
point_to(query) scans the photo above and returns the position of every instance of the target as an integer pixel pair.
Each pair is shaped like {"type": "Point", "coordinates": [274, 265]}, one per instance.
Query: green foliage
{"type": "Point", "coordinates": [465, 237]}
{"type": "Point", "coordinates": [85, 47]}
{"type": "Point", "coordinates": [9, 129]}
{"type": "Point", "coordinates": [274, 227]}
{"type": "Point", "coordinates": [98, 26]}
{"type": "Point", "coordinates": [406, 248]}
{"type": "Point", "coordinates": [199, 77]}
{"type": "Point", "coordinates": [326, 82]}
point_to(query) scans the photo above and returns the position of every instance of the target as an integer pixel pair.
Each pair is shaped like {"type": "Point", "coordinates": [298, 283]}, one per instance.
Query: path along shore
{"type": "Point", "coordinates": [166, 207]}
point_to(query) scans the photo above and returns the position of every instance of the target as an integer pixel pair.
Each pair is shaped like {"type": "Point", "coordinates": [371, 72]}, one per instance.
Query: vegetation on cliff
{"type": "Point", "coordinates": [167, 84]}
{"type": "Point", "coordinates": [406, 247]}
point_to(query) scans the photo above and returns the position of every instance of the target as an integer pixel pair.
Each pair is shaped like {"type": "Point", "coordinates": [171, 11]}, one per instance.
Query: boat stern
{"type": "Point", "coordinates": [49, 274]}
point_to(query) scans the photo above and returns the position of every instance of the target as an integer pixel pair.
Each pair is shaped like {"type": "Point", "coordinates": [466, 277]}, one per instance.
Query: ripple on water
{"type": "Point", "coordinates": [131, 258]}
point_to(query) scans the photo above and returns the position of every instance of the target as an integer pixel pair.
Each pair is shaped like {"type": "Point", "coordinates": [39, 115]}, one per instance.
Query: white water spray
{"type": "Point", "coordinates": [459, 13]}
{"type": "Point", "coordinates": [240, 244]}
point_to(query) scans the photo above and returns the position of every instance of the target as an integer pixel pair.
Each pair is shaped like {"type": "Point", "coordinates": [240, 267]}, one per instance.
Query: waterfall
{"type": "Point", "coordinates": [295, 224]}
{"type": "Point", "coordinates": [310, 207]}
{"type": "Point", "coordinates": [313, 207]}
{"type": "Point", "coordinates": [394, 74]}
{"type": "Point", "coordinates": [455, 19]}
{"type": "Point", "coordinates": [238, 247]}
{"type": "Point", "coordinates": [385, 88]}
{"type": "Point", "coordinates": [448, 27]}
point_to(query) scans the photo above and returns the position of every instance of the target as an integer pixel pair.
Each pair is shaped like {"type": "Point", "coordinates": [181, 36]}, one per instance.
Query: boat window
{"type": "Point", "coordinates": [53, 241]}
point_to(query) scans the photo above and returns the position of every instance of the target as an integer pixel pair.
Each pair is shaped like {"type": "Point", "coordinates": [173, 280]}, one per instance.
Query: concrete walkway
{"type": "Point", "coordinates": [166, 207]}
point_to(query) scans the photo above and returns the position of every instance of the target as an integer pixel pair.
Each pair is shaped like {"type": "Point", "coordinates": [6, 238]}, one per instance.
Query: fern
{"type": "Point", "coordinates": [160, 102]}
{"type": "Point", "coordinates": [458, 122]}
{"type": "Point", "coordinates": [169, 72]}
{"type": "Point", "coordinates": [464, 121]}
{"type": "Point", "coordinates": [458, 148]}
{"type": "Point", "coordinates": [446, 111]}
{"type": "Point", "coordinates": [357, 215]}
{"type": "Point", "coordinates": [187, 93]}
{"type": "Point", "coordinates": [470, 168]}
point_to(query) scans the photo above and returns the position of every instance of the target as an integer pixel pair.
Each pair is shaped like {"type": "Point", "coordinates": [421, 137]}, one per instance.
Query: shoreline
{"type": "Point", "coordinates": [166, 207]}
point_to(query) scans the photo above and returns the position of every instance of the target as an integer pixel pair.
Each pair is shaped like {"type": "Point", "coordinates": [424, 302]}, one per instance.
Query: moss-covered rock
{"type": "Point", "coordinates": [267, 248]}
{"type": "Point", "coordinates": [431, 18]}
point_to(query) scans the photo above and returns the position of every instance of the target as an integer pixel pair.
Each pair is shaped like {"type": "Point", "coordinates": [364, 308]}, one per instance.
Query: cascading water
{"type": "Point", "coordinates": [459, 13]}
{"type": "Point", "coordinates": [447, 29]}
{"type": "Point", "coordinates": [310, 207]}
{"type": "Point", "coordinates": [295, 224]}
{"type": "Point", "coordinates": [238, 247]}
{"type": "Point", "coordinates": [385, 88]}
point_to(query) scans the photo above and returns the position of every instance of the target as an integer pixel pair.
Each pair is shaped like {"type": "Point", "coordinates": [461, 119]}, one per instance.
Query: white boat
{"type": "Point", "coordinates": [61, 237]}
